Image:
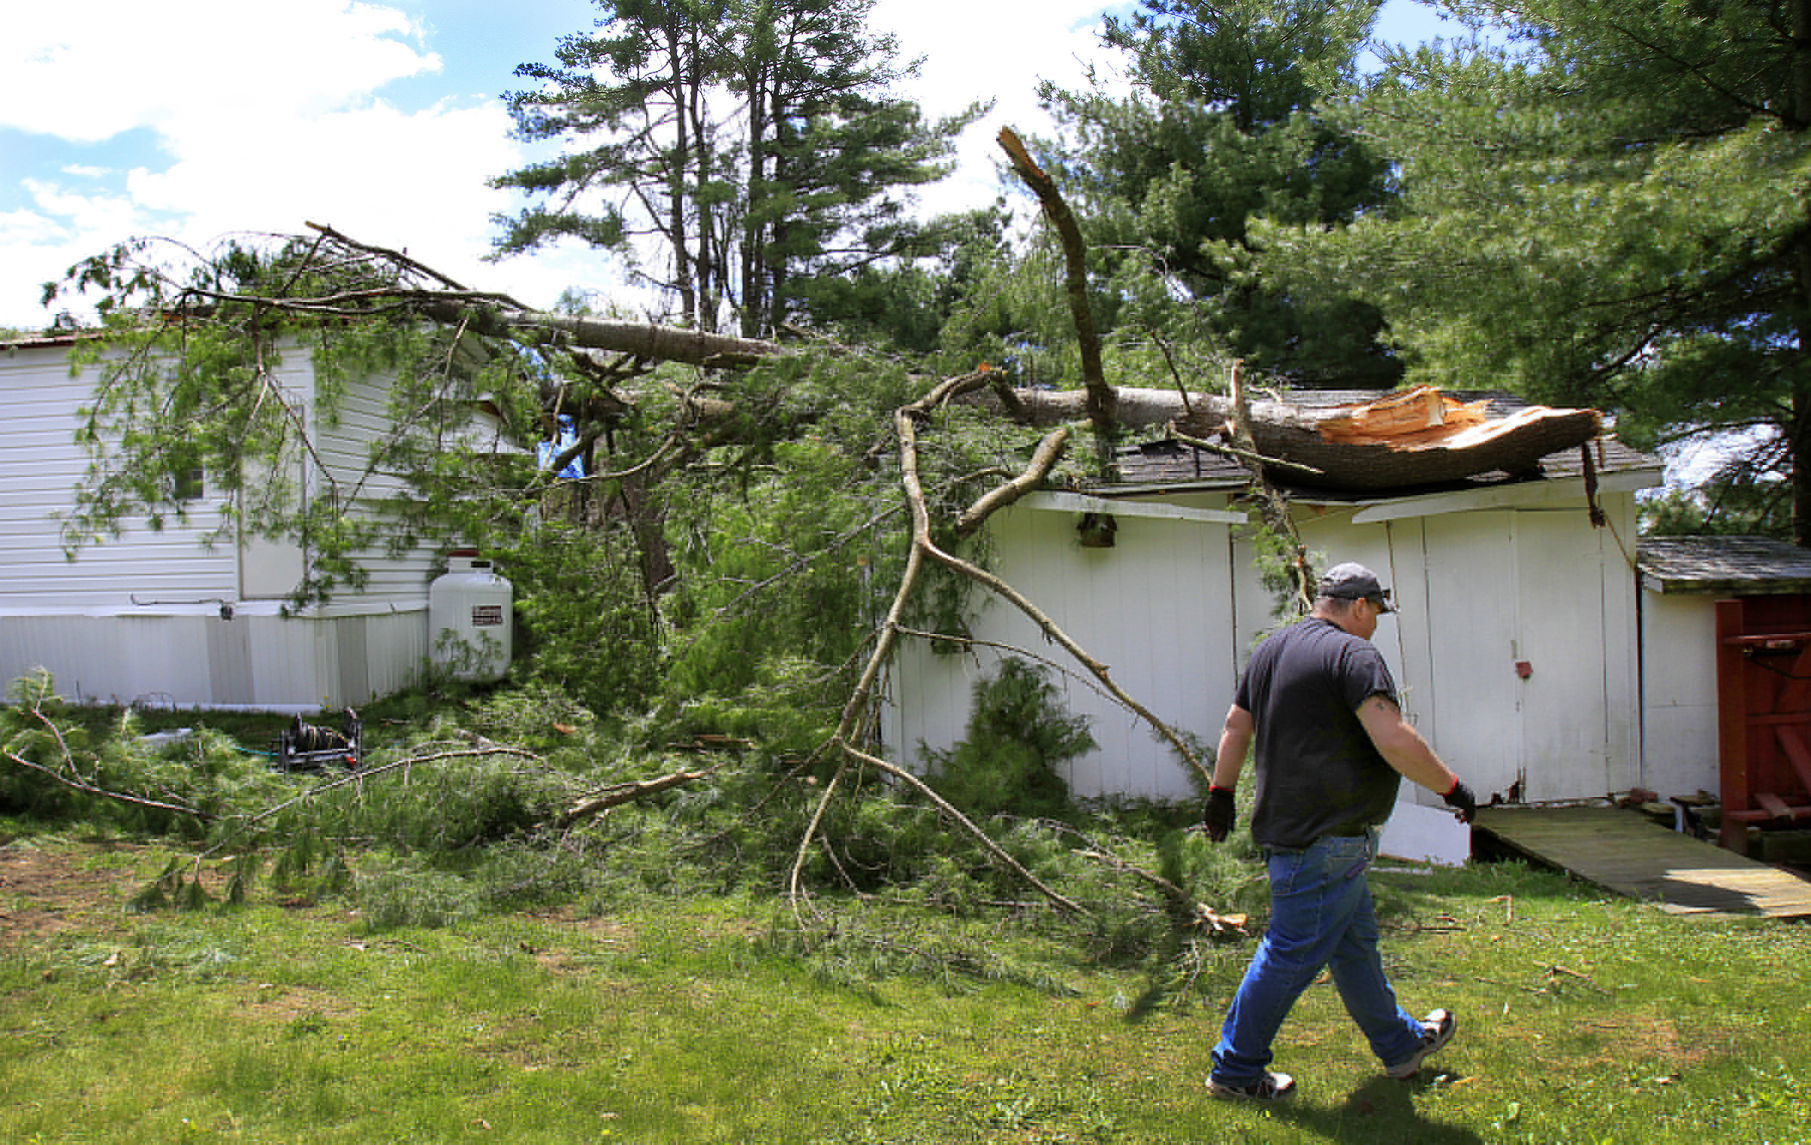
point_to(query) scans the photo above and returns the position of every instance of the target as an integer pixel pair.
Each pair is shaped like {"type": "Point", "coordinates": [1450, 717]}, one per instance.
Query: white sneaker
{"type": "Point", "coordinates": [1437, 1029]}
{"type": "Point", "coordinates": [1269, 1087]}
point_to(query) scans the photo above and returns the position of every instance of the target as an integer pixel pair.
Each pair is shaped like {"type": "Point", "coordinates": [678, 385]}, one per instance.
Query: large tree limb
{"type": "Point", "coordinates": [1057, 636]}
{"type": "Point", "coordinates": [1101, 397]}
{"type": "Point", "coordinates": [842, 740]}
{"type": "Point", "coordinates": [1042, 460]}
{"type": "Point", "coordinates": [889, 636]}
{"type": "Point", "coordinates": [922, 548]}
{"type": "Point", "coordinates": [1316, 439]}
{"type": "Point", "coordinates": [398, 284]}
{"type": "Point", "coordinates": [639, 339]}
{"type": "Point", "coordinates": [1311, 438]}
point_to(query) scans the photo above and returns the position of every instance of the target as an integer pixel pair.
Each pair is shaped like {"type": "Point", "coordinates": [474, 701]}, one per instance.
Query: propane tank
{"type": "Point", "coordinates": [469, 621]}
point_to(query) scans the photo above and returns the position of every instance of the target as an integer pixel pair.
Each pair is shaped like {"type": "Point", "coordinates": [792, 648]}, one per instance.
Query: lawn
{"type": "Point", "coordinates": [681, 1020]}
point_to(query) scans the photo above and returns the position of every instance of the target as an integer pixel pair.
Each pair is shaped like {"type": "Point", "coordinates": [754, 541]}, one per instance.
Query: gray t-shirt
{"type": "Point", "coordinates": [1317, 771]}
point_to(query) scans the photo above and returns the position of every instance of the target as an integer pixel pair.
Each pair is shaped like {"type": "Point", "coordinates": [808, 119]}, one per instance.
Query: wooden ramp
{"type": "Point", "coordinates": [1624, 852]}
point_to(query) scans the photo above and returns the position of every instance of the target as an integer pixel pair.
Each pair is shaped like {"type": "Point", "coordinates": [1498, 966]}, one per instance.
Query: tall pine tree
{"type": "Point", "coordinates": [1223, 125]}
{"type": "Point", "coordinates": [734, 150]}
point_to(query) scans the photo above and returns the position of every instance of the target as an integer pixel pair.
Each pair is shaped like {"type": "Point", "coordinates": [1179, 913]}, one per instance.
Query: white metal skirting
{"type": "Point", "coordinates": [263, 662]}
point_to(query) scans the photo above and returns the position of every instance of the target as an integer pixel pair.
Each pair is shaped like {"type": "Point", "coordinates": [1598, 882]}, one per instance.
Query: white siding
{"type": "Point", "coordinates": [1679, 694]}
{"type": "Point", "coordinates": [138, 618]}
{"type": "Point", "coordinates": [40, 466]}
{"type": "Point", "coordinates": [345, 443]}
{"type": "Point", "coordinates": [201, 660]}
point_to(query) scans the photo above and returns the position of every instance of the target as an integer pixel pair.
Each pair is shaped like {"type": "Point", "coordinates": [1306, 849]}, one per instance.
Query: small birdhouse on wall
{"type": "Point", "coordinates": [1096, 530]}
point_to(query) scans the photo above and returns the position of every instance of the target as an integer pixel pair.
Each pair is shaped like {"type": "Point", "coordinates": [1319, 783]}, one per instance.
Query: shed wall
{"type": "Point", "coordinates": [1679, 693]}
{"type": "Point", "coordinates": [1175, 608]}
{"type": "Point", "coordinates": [1155, 608]}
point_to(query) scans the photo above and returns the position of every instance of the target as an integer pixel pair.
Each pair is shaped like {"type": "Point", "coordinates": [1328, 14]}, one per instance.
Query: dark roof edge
{"type": "Point", "coordinates": [1722, 566]}
{"type": "Point", "coordinates": [46, 341]}
{"type": "Point", "coordinates": [1782, 586]}
{"type": "Point", "coordinates": [1310, 495]}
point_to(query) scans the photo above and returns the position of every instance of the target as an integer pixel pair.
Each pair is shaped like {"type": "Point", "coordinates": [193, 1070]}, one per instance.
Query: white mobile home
{"type": "Point", "coordinates": [157, 616]}
{"type": "Point", "coordinates": [1515, 645]}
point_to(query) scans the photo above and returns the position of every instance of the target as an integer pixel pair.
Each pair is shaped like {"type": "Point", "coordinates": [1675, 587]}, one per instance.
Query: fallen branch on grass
{"type": "Point", "coordinates": [1556, 971]}
{"type": "Point", "coordinates": [76, 784]}
{"type": "Point", "coordinates": [620, 793]}
{"type": "Point", "coordinates": [1207, 917]}
{"type": "Point", "coordinates": [68, 775]}
{"type": "Point", "coordinates": [359, 777]}
{"type": "Point", "coordinates": [967, 824]}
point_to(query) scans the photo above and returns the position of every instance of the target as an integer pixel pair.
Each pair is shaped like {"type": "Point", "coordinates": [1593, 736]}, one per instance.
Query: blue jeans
{"type": "Point", "coordinates": [1320, 916]}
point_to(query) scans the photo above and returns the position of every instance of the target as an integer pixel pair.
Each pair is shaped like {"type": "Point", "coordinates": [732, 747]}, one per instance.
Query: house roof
{"type": "Point", "coordinates": [1727, 566]}
{"type": "Point", "coordinates": [1170, 466]}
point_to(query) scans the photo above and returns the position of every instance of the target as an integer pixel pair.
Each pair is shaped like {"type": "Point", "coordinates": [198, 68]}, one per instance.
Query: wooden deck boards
{"type": "Point", "coordinates": [1625, 853]}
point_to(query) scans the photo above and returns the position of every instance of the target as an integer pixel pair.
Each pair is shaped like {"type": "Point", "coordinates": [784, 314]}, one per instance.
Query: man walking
{"type": "Point", "coordinates": [1332, 745]}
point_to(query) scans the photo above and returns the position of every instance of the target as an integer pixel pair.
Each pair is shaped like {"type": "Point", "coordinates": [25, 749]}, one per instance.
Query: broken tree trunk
{"type": "Point", "coordinates": [637, 339]}
{"type": "Point", "coordinates": [1420, 437]}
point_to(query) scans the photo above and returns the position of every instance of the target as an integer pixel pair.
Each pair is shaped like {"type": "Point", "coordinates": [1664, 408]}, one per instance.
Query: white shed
{"type": "Point", "coordinates": [157, 616]}
{"type": "Point", "coordinates": [1515, 645]}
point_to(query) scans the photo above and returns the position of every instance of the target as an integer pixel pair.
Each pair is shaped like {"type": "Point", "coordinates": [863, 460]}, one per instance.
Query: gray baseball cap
{"type": "Point", "coordinates": [1352, 581]}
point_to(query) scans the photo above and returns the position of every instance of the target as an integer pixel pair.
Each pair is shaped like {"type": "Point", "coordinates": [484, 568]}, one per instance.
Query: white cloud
{"type": "Point", "coordinates": [269, 116]}
{"type": "Point", "coordinates": [981, 51]}
{"type": "Point", "coordinates": [378, 169]}
{"type": "Point", "coordinates": [38, 244]}
{"type": "Point", "coordinates": [78, 212]}
{"type": "Point", "coordinates": [25, 227]}
{"type": "Point", "coordinates": [86, 70]}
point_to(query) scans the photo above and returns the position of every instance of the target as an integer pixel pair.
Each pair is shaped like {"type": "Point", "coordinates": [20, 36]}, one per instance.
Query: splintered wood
{"type": "Point", "coordinates": [1409, 418]}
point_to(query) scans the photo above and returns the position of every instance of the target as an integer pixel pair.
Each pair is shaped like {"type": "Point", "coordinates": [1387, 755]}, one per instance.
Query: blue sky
{"type": "Point", "coordinates": [201, 119]}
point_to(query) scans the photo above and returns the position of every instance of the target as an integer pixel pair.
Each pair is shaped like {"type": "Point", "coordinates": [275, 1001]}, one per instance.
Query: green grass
{"type": "Point", "coordinates": [1582, 1019]}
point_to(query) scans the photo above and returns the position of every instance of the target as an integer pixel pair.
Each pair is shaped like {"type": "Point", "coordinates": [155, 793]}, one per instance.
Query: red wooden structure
{"type": "Point", "coordinates": [1764, 713]}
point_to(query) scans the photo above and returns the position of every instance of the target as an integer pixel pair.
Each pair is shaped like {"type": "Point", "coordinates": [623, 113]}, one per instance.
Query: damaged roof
{"type": "Point", "coordinates": [1168, 465]}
